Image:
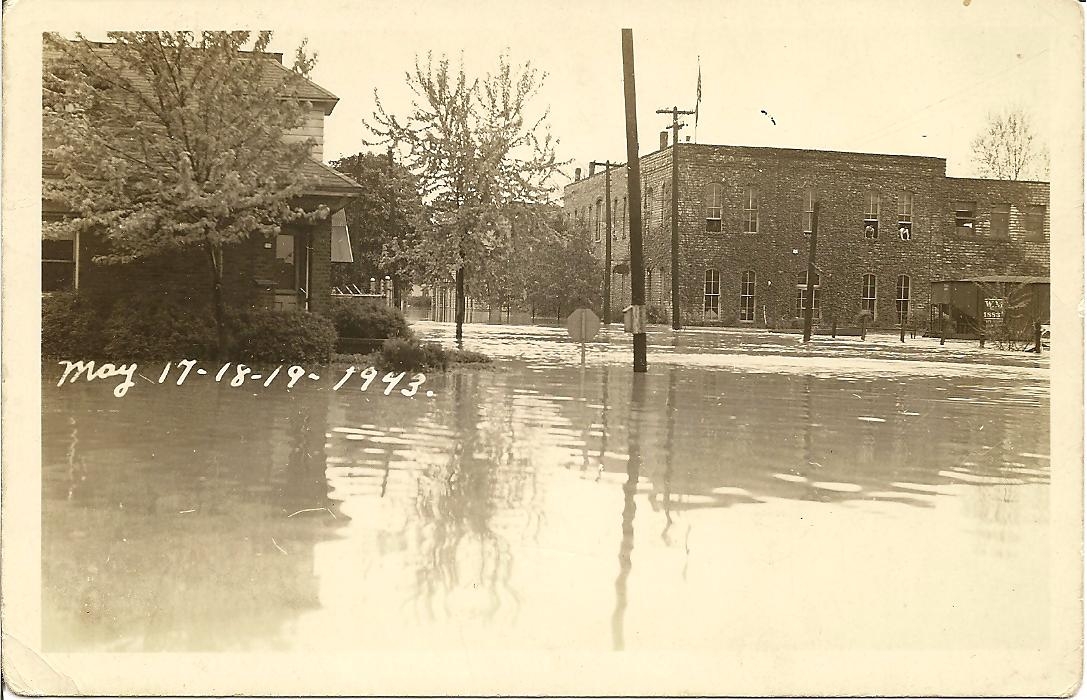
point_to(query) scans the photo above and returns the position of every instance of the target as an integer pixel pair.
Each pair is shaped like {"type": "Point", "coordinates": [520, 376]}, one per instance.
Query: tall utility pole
{"type": "Point", "coordinates": [676, 126]}
{"type": "Point", "coordinates": [608, 165]}
{"type": "Point", "coordinates": [634, 199]}
{"type": "Point", "coordinates": [809, 311]}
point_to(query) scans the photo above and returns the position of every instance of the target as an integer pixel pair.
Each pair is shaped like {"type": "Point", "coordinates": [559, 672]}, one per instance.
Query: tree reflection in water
{"type": "Point", "coordinates": [464, 505]}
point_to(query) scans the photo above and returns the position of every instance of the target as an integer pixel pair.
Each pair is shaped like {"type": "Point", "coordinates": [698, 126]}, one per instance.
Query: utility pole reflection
{"type": "Point", "coordinates": [626, 544]}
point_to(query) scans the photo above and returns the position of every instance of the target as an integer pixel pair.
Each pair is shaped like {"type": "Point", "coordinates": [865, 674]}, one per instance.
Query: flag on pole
{"type": "Point", "coordinates": [697, 98]}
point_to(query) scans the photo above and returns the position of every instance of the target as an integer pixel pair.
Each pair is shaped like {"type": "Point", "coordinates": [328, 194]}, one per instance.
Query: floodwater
{"type": "Point", "coordinates": [745, 493]}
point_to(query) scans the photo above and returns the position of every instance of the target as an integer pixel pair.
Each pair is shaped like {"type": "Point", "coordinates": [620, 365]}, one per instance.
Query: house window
{"type": "Point", "coordinates": [711, 309]}
{"type": "Point", "coordinates": [902, 299]}
{"type": "Point", "coordinates": [802, 294]}
{"type": "Point", "coordinates": [807, 213]}
{"type": "Point", "coordinates": [660, 289]}
{"type": "Point", "coordinates": [648, 283]}
{"type": "Point", "coordinates": [747, 296]}
{"type": "Point", "coordinates": [623, 229]}
{"type": "Point", "coordinates": [59, 258]}
{"type": "Point", "coordinates": [868, 294]}
{"type": "Point", "coordinates": [1035, 223]}
{"type": "Point", "coordinates": [964, 217]}
{"type": "Point", "coordinates": [998, 222]}
{"type": "Point", "coordinates": [871, 215]}
{"type": "Point", "coordinates": [596, 229]}
{"type": "Point", "coordinates": [751, 210]}
{"type": "Point", "coordinates": [905, 215]}
{"type": "Point", "coordinates": [714, 197]}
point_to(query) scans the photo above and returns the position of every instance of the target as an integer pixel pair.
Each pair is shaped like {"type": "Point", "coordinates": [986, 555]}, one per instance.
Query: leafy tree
{"type": "Point", "coordinates": [172, 140]}
{"type": "Point", "coordinates": [1008, 148]}
{"type": "Point", "coordinates": [564, 272]}
{"type": "Point", "coordinates": [476, 150]}
{"type": "Point", "coordinates": [380, 219]}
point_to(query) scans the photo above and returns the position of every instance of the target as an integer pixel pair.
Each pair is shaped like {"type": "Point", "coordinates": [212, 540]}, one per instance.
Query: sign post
{"type": "Point", "coordinates": [582, 325]}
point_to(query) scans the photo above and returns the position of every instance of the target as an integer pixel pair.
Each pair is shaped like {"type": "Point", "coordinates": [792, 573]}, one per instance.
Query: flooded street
{"type": "Point", "coordinates": [746, 492]}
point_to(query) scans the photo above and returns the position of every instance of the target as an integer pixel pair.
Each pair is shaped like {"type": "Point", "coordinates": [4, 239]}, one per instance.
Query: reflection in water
{"type": "Point", "coordinates": [630, 486]}
{"type": "Point", "coordinates": [202, 517]}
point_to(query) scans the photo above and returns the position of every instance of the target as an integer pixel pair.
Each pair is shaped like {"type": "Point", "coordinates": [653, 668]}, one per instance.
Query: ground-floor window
{"type": "Point", "coordinates": [902, 299]}
{"type": "Point", "coordinates": [747, 296]}
{"type": "Point", "coordinates": [711, 308]}
{"type": "Point", "coordinates": [59, 259]}
{"type": "Point", "coordinates": [802, 295]}
{"type": "Point", "coordinates": [868, 294]}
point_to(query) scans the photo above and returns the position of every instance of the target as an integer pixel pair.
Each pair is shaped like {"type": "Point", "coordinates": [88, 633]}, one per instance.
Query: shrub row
{"type": "Point", "coordinates": [159, 328]}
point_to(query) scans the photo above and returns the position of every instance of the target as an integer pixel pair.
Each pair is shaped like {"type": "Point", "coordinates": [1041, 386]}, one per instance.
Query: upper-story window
{"type": "Point", "coordinates": [751, 210]}
{"type": "Point", "coordinates": [807, 213]}
{"type": "Point", "coordinates": [998, 221]}
{"type": "Point", "coordinates": [614, 213]}
{"type": "Point", "coordinates": [645, 216]}
{"type": "Point", "coordinates": [714, 199]}
{"type": "Point", "coordinates": [871, 214]}
{"type": "Point", "coordinates": [664, 195]}
{"type": "Point", "coordinates": [596, 228]}
{"type": "Point", "coordinates": [1034, 223]}
{"type": "Point", "coordinates": [905, 215]}
{"type": "Point", "coordinates": [623, 226]}
{"type": "Point", "coordinates": [965, 213]}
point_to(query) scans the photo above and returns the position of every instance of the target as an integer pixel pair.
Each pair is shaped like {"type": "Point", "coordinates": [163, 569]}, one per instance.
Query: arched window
{"type": "Point", "coordinates": [711, 299]}
{"type": "Point", "coordinates": [747, 296]}
{"type": "Point", "coordinates": [802, 294]}
{"type": "Point", "coordinates": [902, 299]}
{"type": "Point", "coordinates": [714, 199]}
{"type": "Point", "coordinates": [596, 228]}
{"type": "Point", "coordinates": [868, 294]}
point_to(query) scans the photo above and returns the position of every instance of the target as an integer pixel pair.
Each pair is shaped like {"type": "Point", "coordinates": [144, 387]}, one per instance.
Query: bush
{"type": "Point", "coordinates": [153, 327]}
{"type": "Point", "coordinates": [656, 314]}
{"type": "Point", "coordinates": [359, 318]}
{"type": "Point", "coordinates": [267, 335]}
{"type": "Point", "coordinates": [71, 327]}
{"type": "Point", "coordinates": [408, 354]}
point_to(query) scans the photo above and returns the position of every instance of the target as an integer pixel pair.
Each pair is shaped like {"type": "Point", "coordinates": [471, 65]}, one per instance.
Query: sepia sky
{"type": "Point", "coordinates": [913, 78]}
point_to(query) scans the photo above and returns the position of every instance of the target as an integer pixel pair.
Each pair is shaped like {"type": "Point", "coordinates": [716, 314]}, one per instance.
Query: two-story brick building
{"type": "Point", "coordinates": [290, 271]}
{"type": "Point", "coordinates": [890, 226]}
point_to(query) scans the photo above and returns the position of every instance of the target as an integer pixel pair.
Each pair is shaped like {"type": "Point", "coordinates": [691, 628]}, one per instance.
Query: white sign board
{"type": "Point", "coordinates": [583, 325]}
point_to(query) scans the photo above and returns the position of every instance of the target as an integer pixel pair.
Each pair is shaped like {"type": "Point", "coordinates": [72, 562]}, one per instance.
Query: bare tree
{"type": "Point", "coordinates": [1009, 149]}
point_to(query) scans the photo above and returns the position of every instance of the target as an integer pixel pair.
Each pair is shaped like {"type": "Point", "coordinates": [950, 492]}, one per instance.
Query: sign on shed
{"type": "Point", "coordinates": [583, 325]}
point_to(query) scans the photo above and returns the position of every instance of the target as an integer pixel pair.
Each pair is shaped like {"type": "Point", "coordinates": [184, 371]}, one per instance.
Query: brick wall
{"type": "Point", "coordinates": [983, 252]}
{"type": "Point", "coordinates": [841, 183]}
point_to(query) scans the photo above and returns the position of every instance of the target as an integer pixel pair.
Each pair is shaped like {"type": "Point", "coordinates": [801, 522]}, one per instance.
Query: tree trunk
{"type": "Point", "coordinates": [215, 255]}
{"type": "Point", "coordinates": [460, 305]}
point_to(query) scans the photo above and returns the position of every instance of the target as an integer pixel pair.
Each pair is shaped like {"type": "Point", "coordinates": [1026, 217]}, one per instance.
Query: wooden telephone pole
{"type": "Point", "coordinates": [634, 197]}
{"type": "Point", "coordinates": [608, 165]}
{"type": "Point", "coordinates": [676, 126]}
{"type": "Point", "coordinates": [809, 310]}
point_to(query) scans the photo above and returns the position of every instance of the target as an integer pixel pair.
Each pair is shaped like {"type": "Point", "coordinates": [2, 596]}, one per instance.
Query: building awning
{"type": "Point", "coordinates": [341, 239]}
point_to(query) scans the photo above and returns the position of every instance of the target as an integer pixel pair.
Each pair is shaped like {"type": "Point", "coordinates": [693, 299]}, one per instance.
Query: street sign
{"type": "Point", "coordinates": [583, 325]}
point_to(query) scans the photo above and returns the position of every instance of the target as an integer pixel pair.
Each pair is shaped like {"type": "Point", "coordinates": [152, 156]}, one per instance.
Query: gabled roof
{"type": "Point", "coordinates": [328, 180]}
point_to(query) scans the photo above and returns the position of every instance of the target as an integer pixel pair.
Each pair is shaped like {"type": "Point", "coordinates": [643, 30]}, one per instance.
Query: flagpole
{"type": "Point", "coordinates": [697, 98]}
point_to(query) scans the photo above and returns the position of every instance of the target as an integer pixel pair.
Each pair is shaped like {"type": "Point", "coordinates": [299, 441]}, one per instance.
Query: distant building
{"type": "Point", "coordinates": [889, 227]}
{"type": "Point", "coordinates": [292, 271]}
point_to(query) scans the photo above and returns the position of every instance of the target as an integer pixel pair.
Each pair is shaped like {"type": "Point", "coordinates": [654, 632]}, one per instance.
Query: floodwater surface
{"type": "Point", "coordinates": [745, 493]}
